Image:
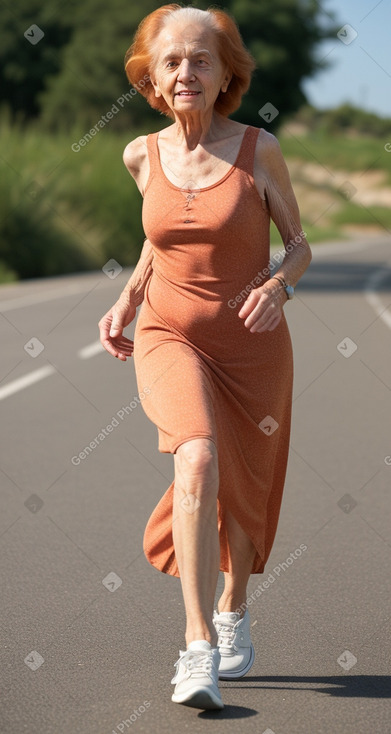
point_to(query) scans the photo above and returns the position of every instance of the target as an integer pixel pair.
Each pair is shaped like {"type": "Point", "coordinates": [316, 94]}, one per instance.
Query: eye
{"type": "Point", "coordinates": [171, 63]}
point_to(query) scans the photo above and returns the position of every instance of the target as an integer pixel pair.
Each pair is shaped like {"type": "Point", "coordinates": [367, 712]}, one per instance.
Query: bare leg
{"type": "Point", "coordinates": [195, 534]}
{"type": "Point", "coordinates": [235, 582]}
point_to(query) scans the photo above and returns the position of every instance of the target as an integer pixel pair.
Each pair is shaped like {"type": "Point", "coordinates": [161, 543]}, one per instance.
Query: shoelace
{"type": "Point", "coordinates": [195, 662]}
{"type": "Point", "coordinates": [226, 633]}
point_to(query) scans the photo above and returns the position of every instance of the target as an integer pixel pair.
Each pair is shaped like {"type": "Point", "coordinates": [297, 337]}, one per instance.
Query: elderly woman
{"type": "Point", "coordinates": [212, 350]}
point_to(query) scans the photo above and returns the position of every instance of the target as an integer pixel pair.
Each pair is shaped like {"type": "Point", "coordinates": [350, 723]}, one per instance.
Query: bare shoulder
{"type": "Point", "coordinates": [135, 157]}
{"type": "Point", "coordinates": [135, 153]}
{"type": "Point", "coordinates": [268, 151]}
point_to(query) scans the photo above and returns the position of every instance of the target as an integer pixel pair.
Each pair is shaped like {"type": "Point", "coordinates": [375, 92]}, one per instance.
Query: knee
{"type": "Point", "coordinates": [197, 459]}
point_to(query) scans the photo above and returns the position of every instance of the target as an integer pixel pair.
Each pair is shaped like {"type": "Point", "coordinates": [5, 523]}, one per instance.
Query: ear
{"type": "Point", "coordinates": [155, 86]}
{"type": "Point", "coordinates": [226, 82]}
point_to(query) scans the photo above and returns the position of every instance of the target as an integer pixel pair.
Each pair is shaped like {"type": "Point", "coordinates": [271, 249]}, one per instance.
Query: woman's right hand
{"type": "Point", "coordinates": [111, 327]}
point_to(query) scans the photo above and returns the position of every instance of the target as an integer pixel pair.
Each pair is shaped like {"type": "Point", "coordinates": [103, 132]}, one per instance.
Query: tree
{"type": "Point", "coordinates": [75, 73]}
{"type": "Point", "coordinates": [283, 39]}
{"type": "Point", "coordinates": [24, 66]}
{"type": "Point", "coordinates": [92, 77]}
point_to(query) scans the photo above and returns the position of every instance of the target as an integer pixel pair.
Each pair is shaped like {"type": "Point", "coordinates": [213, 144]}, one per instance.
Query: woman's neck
{"type": "Point", "coordinates": [192, 129]}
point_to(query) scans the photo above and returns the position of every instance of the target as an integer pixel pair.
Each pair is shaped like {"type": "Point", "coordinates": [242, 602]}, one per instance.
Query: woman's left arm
{"type": "Point", "coordinates": [263, 308]}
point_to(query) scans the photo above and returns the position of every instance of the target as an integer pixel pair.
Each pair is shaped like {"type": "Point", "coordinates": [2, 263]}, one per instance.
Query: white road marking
{"type": "Point", "coordinates": [372, 286]}
{"type": "Point", "coordinates": [21, 382]}
{"type": "Point", "coordinates": [22, 301]}
{"type": "Point", "coordinates": [36, 375]}
{"type": "Point", "coordinates": [91, 350]}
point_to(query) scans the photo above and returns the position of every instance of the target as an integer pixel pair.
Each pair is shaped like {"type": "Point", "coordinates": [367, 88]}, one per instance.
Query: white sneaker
{"type": "Point", "coordinates": [234, 643]}
{"type": "Point", "coordinates": [197, 676]}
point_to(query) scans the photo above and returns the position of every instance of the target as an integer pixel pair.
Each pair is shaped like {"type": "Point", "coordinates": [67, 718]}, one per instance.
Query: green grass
{"type": "Point", "coordinates": [376, 216]}
{"type": "Point", "coordinates": [85, 204]}
{"type": "Point", "coordinates": [340, 152]}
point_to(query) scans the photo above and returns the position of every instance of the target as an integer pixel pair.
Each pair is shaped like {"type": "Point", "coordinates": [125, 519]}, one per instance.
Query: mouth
{"type": "Point", "coordinates": [187, 94]}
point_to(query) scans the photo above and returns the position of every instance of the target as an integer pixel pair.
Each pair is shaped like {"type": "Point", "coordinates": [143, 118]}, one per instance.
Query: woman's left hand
{"type": "Point", "coordinates": [262, 309]}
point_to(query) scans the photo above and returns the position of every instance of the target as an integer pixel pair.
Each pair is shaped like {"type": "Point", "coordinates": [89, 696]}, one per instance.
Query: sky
{"type": "Point", "coordinates": [360, 66]}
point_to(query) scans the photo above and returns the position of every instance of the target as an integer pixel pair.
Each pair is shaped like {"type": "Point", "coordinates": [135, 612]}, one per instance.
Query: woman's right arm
{"type": "Point", "coordinates": [135, 286]}
{"type": "Point", "coordinates": [123, 312]}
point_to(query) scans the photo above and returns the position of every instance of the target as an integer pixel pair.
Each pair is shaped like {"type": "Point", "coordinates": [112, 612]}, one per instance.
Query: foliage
{"type": "Point", "coordinates": [282, 40]}
{"type": "Point", "coordinates": [75, 73]}
{"type": "Point", "coordinates": [24, 68]}
{"type": "Point", "coordinates": [345, 118]}
{"type": "Point", "coordinates": [65, 211]}
{"type": "Point", "coordinates": [350, 152]}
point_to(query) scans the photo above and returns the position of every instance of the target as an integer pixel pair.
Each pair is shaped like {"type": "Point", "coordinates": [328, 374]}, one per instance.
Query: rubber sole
{"type": "Point", "coordinates": [236, 674]}
{"type": "Point", "coordinates": [199, 698]}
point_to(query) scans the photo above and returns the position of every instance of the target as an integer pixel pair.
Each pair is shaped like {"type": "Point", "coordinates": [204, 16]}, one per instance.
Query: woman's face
{"type": "Point", "coordinates": [187, 71]}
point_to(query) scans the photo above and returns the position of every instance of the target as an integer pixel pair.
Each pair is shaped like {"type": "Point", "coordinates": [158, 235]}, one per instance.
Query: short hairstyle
{"type": "Point", "coordinates": [232, 52]}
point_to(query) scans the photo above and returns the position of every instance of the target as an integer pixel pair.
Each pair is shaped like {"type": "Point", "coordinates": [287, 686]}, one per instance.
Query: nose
{"type": "Point", "coordinates": [185, 72]}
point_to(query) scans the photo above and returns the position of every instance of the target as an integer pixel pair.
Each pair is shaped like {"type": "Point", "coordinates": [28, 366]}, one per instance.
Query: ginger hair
{"type": "Point", "coordinates": [139, 57]}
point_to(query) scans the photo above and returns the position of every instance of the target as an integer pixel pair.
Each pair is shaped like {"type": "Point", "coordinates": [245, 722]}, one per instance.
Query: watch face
{"type": "Point", "coordinates": [290, 291]}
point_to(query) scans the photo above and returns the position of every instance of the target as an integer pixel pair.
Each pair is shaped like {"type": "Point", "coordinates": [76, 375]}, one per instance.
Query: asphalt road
{"type": "Point", "coordinates": [90, 631]}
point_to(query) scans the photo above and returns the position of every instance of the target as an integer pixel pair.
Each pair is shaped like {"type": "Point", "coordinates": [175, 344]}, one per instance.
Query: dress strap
{"type": "Point", "coordinates": [245, 159]}
{"type": "Point", "coordinates": [153, 157]}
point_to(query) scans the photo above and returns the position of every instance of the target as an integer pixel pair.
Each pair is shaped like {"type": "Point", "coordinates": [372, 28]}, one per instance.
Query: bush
{"type": "Point", "coordinates": [62, 211]}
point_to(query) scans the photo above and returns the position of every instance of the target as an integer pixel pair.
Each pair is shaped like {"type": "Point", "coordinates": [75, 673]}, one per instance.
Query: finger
{"type": "Point", "coordinates": [121, 355]}
{"type": "Point", "coordinates": [117, 324]}
{"type": "Point", "coordinates": [123, 342]}
{"type": "Point", "coordinates": [261, 313]}
{"type": "Point", "coordinates": [264, 321]}
{"type": "Point", "coordinates": [107, 344]}
{"type": "Point", "coordinates": [274, 324]}
{"type": "Point", "coordinates": [115, 331]}
{"type": "Point", "coordinates": [269, 325]}
{"type": "Point", "coordinates": [124, 348]}
{"type": "Point", "coordinates": [116, 351]}
{"type": "Point", "coordinates": [248, 306]}
{"type": "Point", "coordinates": [262, 308]}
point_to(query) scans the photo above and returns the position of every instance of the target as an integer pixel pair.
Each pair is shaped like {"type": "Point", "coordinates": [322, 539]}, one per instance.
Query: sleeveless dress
{"type": "Point", "coordinates": [202, 373]}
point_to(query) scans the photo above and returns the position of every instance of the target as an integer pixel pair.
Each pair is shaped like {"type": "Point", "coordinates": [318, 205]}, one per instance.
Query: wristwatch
{"type": "Point", "coordinates": [289, 289]}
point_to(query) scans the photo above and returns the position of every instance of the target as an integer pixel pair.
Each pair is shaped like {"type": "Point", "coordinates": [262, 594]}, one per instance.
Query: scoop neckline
{"type": "Point", "coordinates": [204, 188]}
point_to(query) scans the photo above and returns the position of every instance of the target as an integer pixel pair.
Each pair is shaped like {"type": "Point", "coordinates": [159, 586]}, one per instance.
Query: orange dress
{"type": "Point", "coordinates": [207, 375]}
